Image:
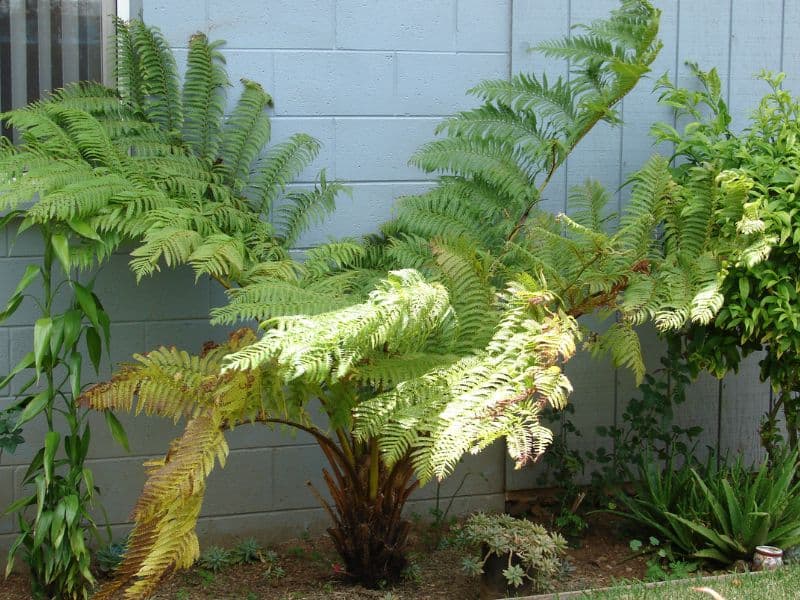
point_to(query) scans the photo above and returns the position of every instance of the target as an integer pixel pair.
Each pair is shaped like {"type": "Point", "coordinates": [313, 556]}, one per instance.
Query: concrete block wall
{"type": "Point", "coordinates": [371, 79]}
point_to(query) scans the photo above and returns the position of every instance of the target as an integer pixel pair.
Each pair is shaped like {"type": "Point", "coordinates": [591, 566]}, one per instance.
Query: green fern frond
{"type": "Point", "coordinates": [157, 76]}
{"type": "Point", "coordinates": [384, 372]}
{"type": "Point", "coordinates": [245, 133]}
{"type": "Point", "coordinates": [588, 203]}
{"type": "Point", "coordinates": [204, 90]}
{"type": "Point", "coordinates": [171, 244]}
{"type": "Point", "coordinates": [621, 342]}
{"type": "Point", "coordinates": [280, 166]}
{"type": "Point", "coordinates": [269, 299]}
{"type": "Point", "coordinates": [399, 316]}
{"type": "Point", "coordinates": [466, 278]}
{"type": "Point", "coordinates": [302, 209]}
{"type": "Point", "coordinates": [501, 165]}
{"type": "Point", "coordinates": [555, 103]}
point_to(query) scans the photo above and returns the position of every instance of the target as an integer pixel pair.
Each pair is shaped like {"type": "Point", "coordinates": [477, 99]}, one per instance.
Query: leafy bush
{"type": "Point", "coordinates": [720, 514]}
{"type": "Point", "coordinates": [532, 554]}
{"type": "Point", "coordinates": [156, 163]}
{"type": "Point", "coordinates": [55, 515]}
{"type": "Point", "coordinates": [761, 302]}
{"type": "Point", "coordinates": [647, 426]}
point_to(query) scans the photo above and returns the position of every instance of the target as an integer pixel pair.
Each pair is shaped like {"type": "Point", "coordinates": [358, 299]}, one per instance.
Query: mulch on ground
{"type": "Point", "coordinates": [309, 571]}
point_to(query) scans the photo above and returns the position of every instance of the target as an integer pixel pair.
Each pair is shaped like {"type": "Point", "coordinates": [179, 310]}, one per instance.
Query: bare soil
{"type": "Point", "coordinates": [310, 570]}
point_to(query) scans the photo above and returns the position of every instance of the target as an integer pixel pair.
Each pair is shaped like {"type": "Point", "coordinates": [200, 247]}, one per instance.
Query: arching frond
{"type": "Point", "coordinates": [280, 166]}
{"type": "Point", "coordinates": [204, 96]}
{"type": "Point", "coordinates": [246, 132]}
{"type": "Point", "coordinates": [399, 316]}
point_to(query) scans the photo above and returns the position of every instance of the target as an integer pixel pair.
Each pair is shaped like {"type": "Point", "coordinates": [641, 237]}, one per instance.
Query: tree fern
{"type": "Point", "coordinates": [464, 340]}
{"type": "Point", "coordinates": [155, 162]}
{"type": "Point", "coordinates": [398, 316]}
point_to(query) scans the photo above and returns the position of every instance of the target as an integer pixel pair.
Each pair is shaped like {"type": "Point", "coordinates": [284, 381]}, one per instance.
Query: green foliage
{"type": "Point", "coordinates": [718, 514]}
{"type": "Point", "coordinates": [55, 514]}
{"type": "Point", "coordinates": [661, 563]}
{"type": "Point", "coordinates": [532, 554]}
{"type": "Point", "coordinates": [760, 300]}
{"type": "Point", "coordinates": [10, 434]}
{"type": "Point", "coordinates": [109, 557]}
{"type": "Point", "coordinates": [216, 559]}
{"type": "Point", "coordinates": [446, 332]}
{"type": "Point", "coordinates": [153, 162]}
{"type": "Point", "coordinates": [648, 427]}
{"type": "Point", "coordinates": [249, 551]}
{"type": "Point", "coordinates": [158, 163]}
{"type": "Point", "coordinates": [478, 231]}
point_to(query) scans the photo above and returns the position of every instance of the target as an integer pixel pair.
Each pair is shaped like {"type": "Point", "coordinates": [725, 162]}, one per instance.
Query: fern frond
{"type": "Point", "coordinates": [157, 76]}
{"type": "Point", "coordinates": [554, 103]}
{"type": "Point", "coordinates": [204, 89]}
{"type": "Point", "coordinates": [500, 164]}
{"type": "Point", "coordinates": [278, 167]}
{"type": "Point", "coordinates": [621, 342]}
{"type": "Point", "coordinates": [173, 245]}
{"type": "Point", "coordinates": [397, 317]}
{"type": "Point", "coordinates": [166, 513]}
{"type": "Point", "coordinates": [245, 133]}
{"type": "Point", "coordinates": [127, 68]}
{"type": "Point", "coordinates": [265, 300]}
{"type": "Point", "coordinates": [302, 209]}
{"type": "Point", "coordinates": [589, 202]}
{"type": "Point", "coordinates": [464, 407]}
{"type": "Point", "coordinates": [472, 296]}
{"type": "Point", "coordinates": [384, 372]}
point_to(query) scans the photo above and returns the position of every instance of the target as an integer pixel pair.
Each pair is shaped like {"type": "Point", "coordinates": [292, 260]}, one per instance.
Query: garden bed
{"type": "Point", "coordinates": [309, 572]}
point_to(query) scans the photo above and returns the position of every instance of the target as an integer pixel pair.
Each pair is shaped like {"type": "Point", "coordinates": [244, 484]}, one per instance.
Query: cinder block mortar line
{"type": "Point", "coordinates": [355, 50]}
{"type": "Point", "coordinates": [121, 457]}
{"type": "Point", "coordinates": [412, 501]}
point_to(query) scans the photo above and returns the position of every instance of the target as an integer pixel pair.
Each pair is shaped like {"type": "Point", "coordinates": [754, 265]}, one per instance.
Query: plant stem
{"type": "Point", "coordinates": [374, 468]}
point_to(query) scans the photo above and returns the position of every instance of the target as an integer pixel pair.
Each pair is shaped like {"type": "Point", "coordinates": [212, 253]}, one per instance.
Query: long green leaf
{"type": "Point", "coordinates": [61, 248]}
{"type": "Point", "coordinates": [41, 341]}
{"type": "Point", "coordinates": [52, 440]}
{"type": "Point", "coordinates": [34, 407]}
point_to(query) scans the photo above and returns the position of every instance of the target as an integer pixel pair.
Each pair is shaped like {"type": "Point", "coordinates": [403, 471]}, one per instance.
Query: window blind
{"type": "Point", "coordinates": [47, 43]}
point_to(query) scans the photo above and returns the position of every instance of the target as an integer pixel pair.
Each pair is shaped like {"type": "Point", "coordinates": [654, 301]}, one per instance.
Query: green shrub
{"type": "Point", "coordinates": [761, 311]}
{"type": "Point", "coordinates": [109, 557]}
{"type": "Point", "coordinates": [721, 514]}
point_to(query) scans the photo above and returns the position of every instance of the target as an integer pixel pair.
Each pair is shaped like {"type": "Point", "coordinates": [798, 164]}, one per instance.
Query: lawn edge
{"type": "Point", "coordinates": [642, 584]}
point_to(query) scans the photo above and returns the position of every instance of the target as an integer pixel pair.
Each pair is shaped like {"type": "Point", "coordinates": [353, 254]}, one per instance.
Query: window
{"type": "Point", "coordinates": [47, 43]}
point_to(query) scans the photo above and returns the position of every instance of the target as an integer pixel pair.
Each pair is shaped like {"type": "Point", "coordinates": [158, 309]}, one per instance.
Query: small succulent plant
{"type": "Point", "coordinates": [249, 551]}
{"type": "Point", "coordinates": [534, 555]}
{"type": "Point", "coordinates": [215, 559]}
{"type": "Point", "coordinates": [109, 557]}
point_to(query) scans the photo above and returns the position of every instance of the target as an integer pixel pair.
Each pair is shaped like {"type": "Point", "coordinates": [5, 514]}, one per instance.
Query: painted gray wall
{"type": "Point", "coordinates": [370, 79]}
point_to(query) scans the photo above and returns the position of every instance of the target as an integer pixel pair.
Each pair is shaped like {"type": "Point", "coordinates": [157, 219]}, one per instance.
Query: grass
{"type": "Point", "coordinates": [777, 585]}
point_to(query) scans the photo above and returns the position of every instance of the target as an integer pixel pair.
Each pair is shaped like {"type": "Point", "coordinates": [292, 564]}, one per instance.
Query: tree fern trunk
{"type": "Point", "coordinates": [367, 501]}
